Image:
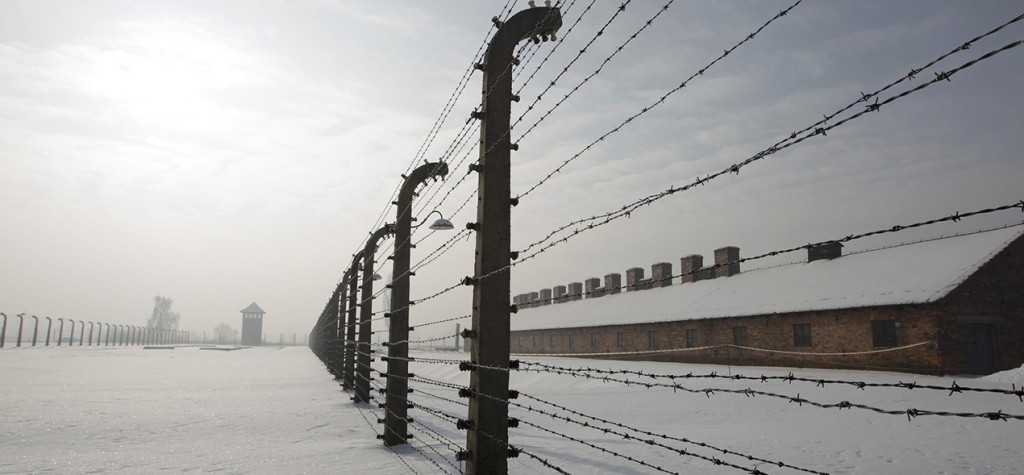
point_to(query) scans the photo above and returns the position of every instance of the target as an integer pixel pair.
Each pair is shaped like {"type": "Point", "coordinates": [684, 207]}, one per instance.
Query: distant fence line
{"type": "Point", "coordinates": [98, 334]}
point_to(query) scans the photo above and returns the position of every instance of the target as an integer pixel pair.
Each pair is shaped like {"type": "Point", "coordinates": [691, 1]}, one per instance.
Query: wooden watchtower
{"type": "Point", "coordinates": [252, 325]}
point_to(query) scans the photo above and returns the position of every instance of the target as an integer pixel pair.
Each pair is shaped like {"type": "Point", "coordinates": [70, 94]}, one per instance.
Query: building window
{"type": "Point", "coordinates": [519, 341]}
{"type": "Point", "coordinates": [883, 333]}
{"type": "Point", "coordinates": [739, 336]}
{"type": "Point", "coordinates": [802, 334]}
{"type": "Point", "coordinates": [652, 340]}
{"type": "Point", "coordinates": [622, 340]}
{"type": "Point", "coordinates": [551, 341]}
{"type": "Point", "coordinates": [593, 340]}
{"type": "Point", "coordinates": [572, 341]}
{"type": "Point", "coordinates": [692, 339]}
{"type": "Point", "coordinates": [536, 340]}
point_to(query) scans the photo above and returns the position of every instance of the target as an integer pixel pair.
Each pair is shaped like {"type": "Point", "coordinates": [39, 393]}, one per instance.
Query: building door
{"type": "Point", "coordinates": [981, 348]}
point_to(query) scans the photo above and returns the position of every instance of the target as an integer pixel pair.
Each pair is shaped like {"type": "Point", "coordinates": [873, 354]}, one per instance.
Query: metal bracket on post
{"type": "Point", "coordinates": [398, 353]}
{"type": "Point", "coordinates": [487, 441]}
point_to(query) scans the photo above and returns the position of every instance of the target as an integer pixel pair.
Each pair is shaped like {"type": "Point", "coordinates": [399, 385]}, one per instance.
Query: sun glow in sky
{"type": "Point", "coordinates": [229, 152]}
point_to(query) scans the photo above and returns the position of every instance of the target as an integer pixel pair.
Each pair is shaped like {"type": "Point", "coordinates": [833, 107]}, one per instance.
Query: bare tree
{"type": "Point", "coordinates": [163, 317]}
{"type": "Point", "coordinates": [224, 333]}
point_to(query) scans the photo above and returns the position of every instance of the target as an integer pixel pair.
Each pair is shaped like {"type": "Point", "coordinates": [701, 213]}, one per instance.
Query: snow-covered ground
{"type": "Point", "coordinates": [276, 410]}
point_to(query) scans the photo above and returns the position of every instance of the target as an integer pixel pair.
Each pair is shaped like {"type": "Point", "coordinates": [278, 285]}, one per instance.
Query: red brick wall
{"type": "Point", "coordinates": [833, 331]}
{"type": "Point", "coordinates": [996, 291]}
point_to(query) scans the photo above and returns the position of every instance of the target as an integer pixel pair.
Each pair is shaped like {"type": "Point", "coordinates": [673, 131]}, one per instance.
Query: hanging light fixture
{"type": "Point", "coordinates": [441, 224]}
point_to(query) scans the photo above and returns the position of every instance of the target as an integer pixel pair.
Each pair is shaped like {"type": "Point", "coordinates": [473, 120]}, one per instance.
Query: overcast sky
{"type": "Point", "coordinates": [221, 153]}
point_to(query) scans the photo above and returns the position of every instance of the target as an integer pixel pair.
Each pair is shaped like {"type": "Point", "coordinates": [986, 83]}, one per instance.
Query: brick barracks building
{"type": "Point", "coordinates": [941, 306]}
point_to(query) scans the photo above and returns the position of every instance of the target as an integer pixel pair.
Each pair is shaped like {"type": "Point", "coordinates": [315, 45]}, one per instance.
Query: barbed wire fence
{"type": "Point", "coordinates": [442, 438]}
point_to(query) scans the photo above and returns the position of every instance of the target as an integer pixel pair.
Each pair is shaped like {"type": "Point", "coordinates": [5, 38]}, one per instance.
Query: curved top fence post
{"type": "Point", "coordinates": [366, 313]}
{"type": "Point", "coordinates": [21, 324]}
{"type": "Point", "coordinates": [487, 439]}
{"type": "Point", "coordinates": [350, 326]}
{"type": "Point", "coordinates": [395, 420]}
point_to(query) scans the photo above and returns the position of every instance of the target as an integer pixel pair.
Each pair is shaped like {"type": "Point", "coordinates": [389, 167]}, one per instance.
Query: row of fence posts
{"type": "Point", "coordinates": [123, 335]}
{"type": "Point", "coordinates": [334, 337]}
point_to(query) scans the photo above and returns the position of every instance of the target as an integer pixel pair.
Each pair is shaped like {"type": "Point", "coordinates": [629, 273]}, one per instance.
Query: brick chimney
{"type": "Point", "coordinates": [593, 287]}
{"type": "Point", "coordinates": [828, 250]}
{"type": "Point", "coordinates": [689, 267]}
{"type": "Point", "coordinates": [545, 296]}
{"type": "Point", "coordinates": [661, 275]}
{"type": "Point", "coordinates": [634, 279]}
{"type": "Point", "coordinates": [724, 256]}
{"type": "Point", "coordinates": [558, 294]}
{"type": "Point", "coordinates": [575, 291]}
{"type": "Point", "coordinates": [612, 283]}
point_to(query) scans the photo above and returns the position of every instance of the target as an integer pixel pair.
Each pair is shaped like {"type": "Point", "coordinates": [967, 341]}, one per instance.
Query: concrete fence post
{"type": "Point", "coordinates": [397, 391]}
{"type": "Point", "coordinates": [363, 359]}
{"type": "Point", "coordinates": [487, 426]}
{"type": "Point", "coordinates": [35, 330]}
{"type": "Point", "coordinates": [350, 336]}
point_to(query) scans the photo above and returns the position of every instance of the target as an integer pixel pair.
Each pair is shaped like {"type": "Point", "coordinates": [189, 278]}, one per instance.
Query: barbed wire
{"type": "Point", "coordinates": [725, 451]}
{"type": "Point", "coordinates": [435, 382]}
{"type": "Point", "coordinates": [517, 450]}
{"type": "Point", "coordinates": [587, 79]}
{"type": "Point", "coordinates": [455, 420]}
{"type": "Point", "coordinates": [420, 428]}
{"type": "Point", "coordinates": [442, 398]}
{"type": "Point", "coordinates": [434, 255]}
{"type": "Point", "coordinates": [582, 51]}
{"type": "Point", "coordinates": [953, 388]}
{"type": "Point", "coordinates": [454, 187]}
{"type": "Point", "coordinates": [544, 462]}
{"type": "Point", "coordinates": [374, 429]}
{"type": "Point", "coordinates": [469, 392]}
{"type": "Point", "coordinates": [956, 217]}
{"type": "Point", "coordinates": [561, 39]}
{"type": "Point", "coordinates": [507, 133]}
{"type": "Point", "coordinates": [626, 210]}
{"type": "Point", "coordinates": [452, 319]}
{"type": "Point", "coordinates": [439, 414]}
{"type": "Point", "coordinates": [448, 443]}
{"type": "Point", "coordinates": [910, 413]}
{"type": "Point", "coordinates": [428, 340]}
{"type": "Point", "coordinates": [441, 250]}
{"type": "Point", "coordinates": [727, 345]}
{"type": "Point", "coordinates": [414, 424]}
{"type": "Point", "coordinates": [412, 445]}
{"type": "Point", "coordinates": [793, 139]}
{"type": "Point", "coordinates": [462, 138]}
{"type": "Point", "coordinates": [617, 454]}
{"type": "Point", "coordinates": [446, 110]}
{"type": "Point", "coordinates": [660, 101]}
{"type": "Point", "coordinates": [429, 258]}
{"type": "Point", "coordinates": [908, 77]}
{"type": "Point", "coordinates": [449, 106]}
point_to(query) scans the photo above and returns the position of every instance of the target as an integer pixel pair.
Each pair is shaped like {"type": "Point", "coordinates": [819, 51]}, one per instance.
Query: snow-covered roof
{"type": "Point", "coordinates": [915, 273]}
{"type": "Point", "coordinates": [253, 308]}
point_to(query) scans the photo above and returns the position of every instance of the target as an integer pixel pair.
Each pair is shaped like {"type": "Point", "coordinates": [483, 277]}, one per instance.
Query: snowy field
{"type": "Point", "coordinates": [276, 410]}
